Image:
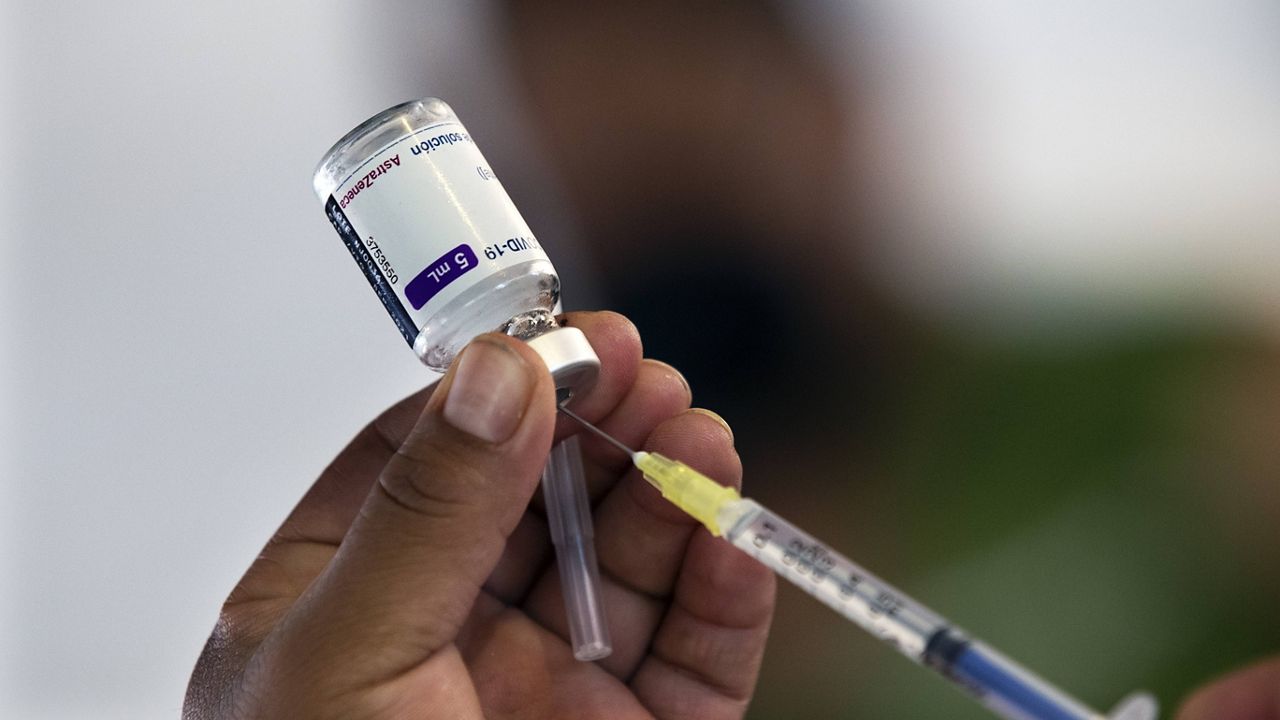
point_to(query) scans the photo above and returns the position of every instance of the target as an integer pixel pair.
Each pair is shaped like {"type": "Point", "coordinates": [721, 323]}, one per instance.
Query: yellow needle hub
{"type": "Point", "coordinates": [686, 488]}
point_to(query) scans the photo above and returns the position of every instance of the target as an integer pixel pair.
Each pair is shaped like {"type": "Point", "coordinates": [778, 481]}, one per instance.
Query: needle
{"type": "Point", "coordinates": [599, 433]}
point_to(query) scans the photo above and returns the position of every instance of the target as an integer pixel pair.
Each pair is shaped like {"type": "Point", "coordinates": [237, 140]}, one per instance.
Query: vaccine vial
{"type": "Point", "coordinates": [442, 244]}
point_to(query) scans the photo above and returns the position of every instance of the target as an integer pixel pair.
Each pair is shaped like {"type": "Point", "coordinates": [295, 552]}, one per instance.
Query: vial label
{"type": "Point", "coordinates": [425, 219]}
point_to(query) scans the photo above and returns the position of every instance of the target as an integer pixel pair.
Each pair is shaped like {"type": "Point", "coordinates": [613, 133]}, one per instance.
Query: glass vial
{"type": "Point", "coordinates": [441, 243]}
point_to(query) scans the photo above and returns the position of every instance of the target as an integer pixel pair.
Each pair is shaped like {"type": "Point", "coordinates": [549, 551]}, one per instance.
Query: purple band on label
{"type": "Point", "coordinates": [444, 270]}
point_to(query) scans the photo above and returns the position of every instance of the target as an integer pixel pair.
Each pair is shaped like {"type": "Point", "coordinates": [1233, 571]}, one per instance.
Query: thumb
{"type": "Point", "coordinates": [436, 522]}
{"type": "Point", "coordinates": [1249, 694]}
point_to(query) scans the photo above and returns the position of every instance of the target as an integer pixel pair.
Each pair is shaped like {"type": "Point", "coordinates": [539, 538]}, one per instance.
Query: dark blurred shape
{"type": "Point", "coordinates": [744, 334]}
{"type": "Point", "coordinates": [705, 152]}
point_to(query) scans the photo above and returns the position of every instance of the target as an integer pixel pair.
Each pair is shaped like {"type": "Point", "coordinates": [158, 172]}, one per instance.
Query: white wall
{"type": "Point", "coordinates": [1093, 154]}
{"type": "Point", "coordinates": [190, 345]}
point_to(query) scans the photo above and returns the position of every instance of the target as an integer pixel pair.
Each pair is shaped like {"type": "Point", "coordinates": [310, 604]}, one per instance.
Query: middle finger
{"type": "Point", "coordinates": [641, 540]}
{"type": "Point", "coordinates": [659, 392]}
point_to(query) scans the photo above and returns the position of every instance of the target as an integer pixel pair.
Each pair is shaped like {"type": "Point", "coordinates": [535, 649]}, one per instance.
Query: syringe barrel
{"type": "Point", "coordinates": [1001, 685]}
{"type": "Point", "coordinates": [849, 589]}
{"type": "Point", "coordinates": [1008, 689]}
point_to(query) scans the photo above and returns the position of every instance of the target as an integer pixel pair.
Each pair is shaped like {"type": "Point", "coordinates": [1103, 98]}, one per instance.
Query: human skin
{"type": "Point", "coordinates": [1251, 693]}
{"type": "Point", "coordinates": [416, 577]}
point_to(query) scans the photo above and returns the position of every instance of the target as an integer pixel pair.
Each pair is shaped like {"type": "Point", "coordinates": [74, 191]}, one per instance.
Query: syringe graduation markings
{"type": "Point", "coordinates": [998, 683]}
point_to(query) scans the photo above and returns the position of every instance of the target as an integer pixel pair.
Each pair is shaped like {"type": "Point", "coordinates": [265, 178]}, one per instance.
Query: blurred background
{"type": "Point", "coordinates": [987, 289]}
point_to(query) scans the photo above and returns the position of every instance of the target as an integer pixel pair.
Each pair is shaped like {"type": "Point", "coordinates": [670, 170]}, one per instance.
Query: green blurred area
{"type": "Point", "coordinates": [1059, 504]}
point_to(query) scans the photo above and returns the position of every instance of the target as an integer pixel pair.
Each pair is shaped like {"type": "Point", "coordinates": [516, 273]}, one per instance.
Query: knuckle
{"type": "Point", "coordinates": [434, 481]}
{"type": "Point", "coordinates": [242, 624]}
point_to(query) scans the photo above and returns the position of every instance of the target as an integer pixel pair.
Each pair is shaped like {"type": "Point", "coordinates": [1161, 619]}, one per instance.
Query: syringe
{"type": "Point", "coordinates": [1003, 686]}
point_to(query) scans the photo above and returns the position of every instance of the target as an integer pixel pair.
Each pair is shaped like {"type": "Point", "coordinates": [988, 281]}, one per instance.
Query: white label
{"type": "Point", "coordinates": [426, 219]}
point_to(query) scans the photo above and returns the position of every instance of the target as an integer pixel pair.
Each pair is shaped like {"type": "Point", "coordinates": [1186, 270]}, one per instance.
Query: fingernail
{"type": "Point", "coordinates": [703, 411]}
{"type": "Point", "coordinates": [490, 391]}
{"type": "Point", "coordinates": [674, 372]}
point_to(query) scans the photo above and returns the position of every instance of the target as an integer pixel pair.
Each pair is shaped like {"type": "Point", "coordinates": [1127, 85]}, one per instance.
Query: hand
{"type": "Point", "coordinates": [415, 579]}
{"type": "Point", "coordinates": [1249, 694]}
